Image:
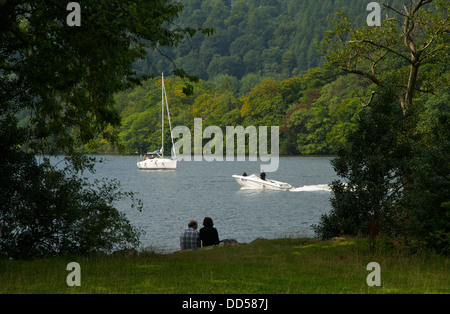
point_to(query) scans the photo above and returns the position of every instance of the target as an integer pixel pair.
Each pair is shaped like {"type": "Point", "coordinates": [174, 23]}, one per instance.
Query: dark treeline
{"type": "Point", "coordinates": [268, 38]}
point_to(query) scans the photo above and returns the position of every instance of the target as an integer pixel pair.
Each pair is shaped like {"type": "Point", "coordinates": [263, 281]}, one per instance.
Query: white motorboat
{"type": "Point", "coordinates": [255, 182]}
{"type": "Point", "coordinates": [148, 161]}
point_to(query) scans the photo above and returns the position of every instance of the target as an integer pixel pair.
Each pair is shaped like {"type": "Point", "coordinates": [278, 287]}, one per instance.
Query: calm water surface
{"type": "Point", "coordinates": [198, 189]}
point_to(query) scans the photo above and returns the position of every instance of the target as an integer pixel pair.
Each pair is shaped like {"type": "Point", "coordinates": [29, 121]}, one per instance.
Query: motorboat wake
{"type": "Point", "coordinates": [312, 188]}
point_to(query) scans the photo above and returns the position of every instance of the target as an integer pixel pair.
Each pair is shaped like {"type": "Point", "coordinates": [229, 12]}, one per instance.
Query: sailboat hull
{"type": "Point", "coordinates": [158, 164]}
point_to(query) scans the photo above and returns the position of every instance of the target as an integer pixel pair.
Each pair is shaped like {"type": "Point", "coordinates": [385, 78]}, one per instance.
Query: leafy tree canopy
{"type": "Point", "coordinates": [65, 77]}
{"type": "Point", "coordinates": [62, 79]}
{"type": "Point", "coordinates": [269, 38]}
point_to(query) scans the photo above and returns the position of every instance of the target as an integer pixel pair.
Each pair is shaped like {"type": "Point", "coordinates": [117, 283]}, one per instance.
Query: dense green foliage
{"type": "Point", "coordinates": [315, 110]}
{"type": "Point", "coordinates": [65, 77]}
{"type": "Point", "coordinates": [372, 163]}
{"type": "Point", "coordinates": [395, 163]}
{"type": "Point", "coordinates": [395, 178]}
{"type": "Point", "coordinates": [427, 198]}
{"type": "Point", "coordinates": [407, 53]}
{"type": "Point", "coordinates": [299, 105]}
{"type": "Point", "coordinates": [62, 80]}
{"type": "Point", "coordinates": [45, 210]}
{"type": "Point", "coordinates": [266, 38]}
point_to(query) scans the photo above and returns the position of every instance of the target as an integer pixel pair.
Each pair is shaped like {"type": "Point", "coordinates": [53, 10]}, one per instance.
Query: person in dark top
{"type": "Point", "coordinates": [244, 174]}
{"type": "Point", "coordinates": [262, 175]}
{"type": "Point", "coordinates": [208, 234]}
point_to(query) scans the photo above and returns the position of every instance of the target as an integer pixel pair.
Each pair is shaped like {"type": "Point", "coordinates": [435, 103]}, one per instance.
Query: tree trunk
{"type": "Point", "coordinates": [413, 71]}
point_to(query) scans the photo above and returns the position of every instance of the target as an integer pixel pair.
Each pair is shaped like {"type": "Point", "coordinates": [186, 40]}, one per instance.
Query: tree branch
{"type": "Point", "coordinates": [380, 46]}
{"type": "Point", "coordinates": [419, 5]}
{"type": "Point", "coordinates": [365, 74]}
{"type": "Point", "coordinates": [393, 9]}
{"type": "Point", "coordinates": [393, 19]}
{"type": "Point", "coordinates": [374, 62]}
{"type": "Point", "coordinates": [370, 100]}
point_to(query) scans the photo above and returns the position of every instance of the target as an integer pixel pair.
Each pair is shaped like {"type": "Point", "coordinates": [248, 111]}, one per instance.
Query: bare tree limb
{"type": "Point", "coordinates": [393, 9]}
{"type": "Point", "coordinates": [380, 46]}
{"type": "Point", "coordinates": [365, 74]}
{"type": "Point", "coordinates": [370, 100]}
{"type": "Point", "coordinates": [420, 4]}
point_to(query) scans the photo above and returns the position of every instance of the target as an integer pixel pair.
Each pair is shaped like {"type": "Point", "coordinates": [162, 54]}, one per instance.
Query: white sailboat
{"type": "Point", "coordinates": [148, 161]}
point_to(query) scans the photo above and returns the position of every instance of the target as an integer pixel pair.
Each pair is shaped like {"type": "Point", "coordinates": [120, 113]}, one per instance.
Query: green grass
{"type": "Point", "coordinates": [264, 266]}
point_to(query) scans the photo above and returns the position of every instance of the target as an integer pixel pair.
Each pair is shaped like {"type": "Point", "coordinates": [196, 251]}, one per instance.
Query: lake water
{"type": "Point", "coordinates": [199, 188]}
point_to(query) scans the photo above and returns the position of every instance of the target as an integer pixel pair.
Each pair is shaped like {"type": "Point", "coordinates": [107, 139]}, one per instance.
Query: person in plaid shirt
{"type": "Point", "coordinates": [190, 239]}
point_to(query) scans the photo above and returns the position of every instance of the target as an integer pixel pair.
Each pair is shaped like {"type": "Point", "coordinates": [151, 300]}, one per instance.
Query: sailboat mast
{"type": "Point", "coordinates": [162, 114]}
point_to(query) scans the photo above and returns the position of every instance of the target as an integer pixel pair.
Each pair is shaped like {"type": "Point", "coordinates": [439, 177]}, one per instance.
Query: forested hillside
{"type": "Point", "coordinates": [297, 105]}
{"type": "Point", "coordinates": [257, 37]}
{"type": "Point", "coordinates": [315, 110]}
{"type": "Point", "coordinates": [260, 67]}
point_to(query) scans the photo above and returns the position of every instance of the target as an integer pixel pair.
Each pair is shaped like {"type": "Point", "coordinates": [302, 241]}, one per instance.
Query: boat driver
{"type": "Point", "coordinates": [262, 176]}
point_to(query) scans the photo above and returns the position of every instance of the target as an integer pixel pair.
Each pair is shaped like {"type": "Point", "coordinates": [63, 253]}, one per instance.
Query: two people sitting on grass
{"type": "Point", "coordinates": [192, 239]}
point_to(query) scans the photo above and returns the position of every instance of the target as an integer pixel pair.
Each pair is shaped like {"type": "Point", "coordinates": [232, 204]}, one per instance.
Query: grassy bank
{"type": "Point", "coordinates": [263, 266]}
